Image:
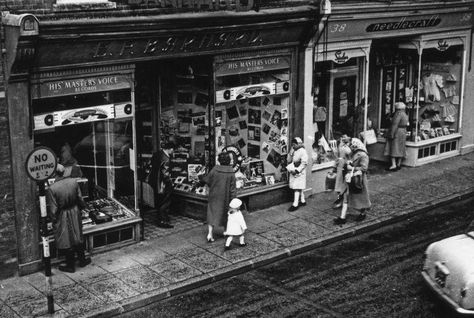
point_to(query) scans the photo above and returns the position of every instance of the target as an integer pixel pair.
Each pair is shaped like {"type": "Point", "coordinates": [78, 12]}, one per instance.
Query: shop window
{"type": "Point", "coordinates": [92, 136]}
{"type": "Point", "coordinates": [184, 120]}
{"type": "Point", "coordinates": [439, 93]}
{"type": "Point", "coordinates": [250, 118]}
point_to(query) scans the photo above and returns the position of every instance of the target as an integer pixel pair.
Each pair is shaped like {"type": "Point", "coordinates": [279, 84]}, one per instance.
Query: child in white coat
{"type": "Point", "coordinates": [236, 225]}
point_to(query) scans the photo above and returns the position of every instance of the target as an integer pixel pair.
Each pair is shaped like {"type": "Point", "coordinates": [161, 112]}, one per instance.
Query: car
{"type": "Point", "coordinates": [449, 271]}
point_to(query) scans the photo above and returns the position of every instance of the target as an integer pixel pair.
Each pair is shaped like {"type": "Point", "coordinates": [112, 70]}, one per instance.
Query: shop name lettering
{"type": "Point", "coordinates": [179, 44]}
{"type": "Point", "coordinates": [81, 85]}
{"type": "Point", "coordinates": [199, 4]}
{"type": "Point", "coordinates": [253, 64]}
{"type": "Point", "coordinates": [404, 24]}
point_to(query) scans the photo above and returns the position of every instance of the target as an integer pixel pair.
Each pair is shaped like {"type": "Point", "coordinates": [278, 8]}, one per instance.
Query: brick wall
{"type": "Point", "coordinates": [8, 243]}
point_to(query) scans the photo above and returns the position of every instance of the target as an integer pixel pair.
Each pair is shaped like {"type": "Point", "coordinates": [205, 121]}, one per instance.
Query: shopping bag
{"type": "Point", "coordinates": [369, 136]}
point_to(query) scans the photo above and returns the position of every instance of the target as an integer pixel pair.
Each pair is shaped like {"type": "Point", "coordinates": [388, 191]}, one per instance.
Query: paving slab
{"type": "Point", "coordinates": [142, 279]}
{"type": "Point", "coordinates": [111, 289]}
{"type": "Point", "coordinates": [75, 299]}
{"type": "Point", "coordinates": [175, 270]}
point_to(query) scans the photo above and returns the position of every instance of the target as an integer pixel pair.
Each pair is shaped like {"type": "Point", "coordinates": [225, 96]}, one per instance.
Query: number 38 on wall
{"type": "Point", "coordinates": [337, 27]}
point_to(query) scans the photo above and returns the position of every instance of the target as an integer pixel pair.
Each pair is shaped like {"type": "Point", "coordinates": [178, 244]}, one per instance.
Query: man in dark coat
{"type": "Point", "coordinates": [160, 181]}
{"type": "Point", "coordinates": [65, 204]}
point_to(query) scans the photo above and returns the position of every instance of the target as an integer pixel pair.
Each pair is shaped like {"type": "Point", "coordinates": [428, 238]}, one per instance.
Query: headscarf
{"type": "Point", "coordinates": [357, 144]}
{"type": "Point", "coordinates": [400, 105]}
{"type": "Point", "coordinates": [299, 143]}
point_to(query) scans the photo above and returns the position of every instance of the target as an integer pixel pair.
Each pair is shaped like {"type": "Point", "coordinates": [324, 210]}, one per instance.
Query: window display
{"type": "Point", "coordinates": [251, 118]}
{"type": "Point", "coordinates": [95, 144]}
{"type": "Point", "coordinates": [184, 120]}
{"type": "Point", "coordinates": [439, 93]}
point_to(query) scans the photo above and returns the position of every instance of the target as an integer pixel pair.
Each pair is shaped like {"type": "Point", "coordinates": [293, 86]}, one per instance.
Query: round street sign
{"type": "Point", "coordinates": [41, 163]}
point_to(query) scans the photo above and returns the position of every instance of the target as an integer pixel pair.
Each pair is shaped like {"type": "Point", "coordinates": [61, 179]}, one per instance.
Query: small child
{"type": "Point", "coordinates": [235, 223]}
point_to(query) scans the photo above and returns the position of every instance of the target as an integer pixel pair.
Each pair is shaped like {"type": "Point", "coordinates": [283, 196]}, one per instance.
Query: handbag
{"type": "Point", "coordinates": [369, 137]}
{"type": "Point", "coordinates": [355, 181]}
{"type": "Point", "coordinates": [330, 181]}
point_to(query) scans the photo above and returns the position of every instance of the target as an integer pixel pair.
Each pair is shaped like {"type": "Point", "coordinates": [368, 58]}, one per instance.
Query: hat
{"type": "Point", "coordinates": [235, 203]}
{"type": "Point", "coordinates": [400, 105]}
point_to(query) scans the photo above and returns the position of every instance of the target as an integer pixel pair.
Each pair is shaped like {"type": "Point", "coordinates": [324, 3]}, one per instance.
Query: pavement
{"type": "Point", "coordinates": [128, 278]}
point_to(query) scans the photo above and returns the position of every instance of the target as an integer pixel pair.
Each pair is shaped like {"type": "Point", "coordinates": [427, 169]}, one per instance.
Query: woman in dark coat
{"type": "Point", "coordinates": [222, 189]}
{"type": "Point", "coordinates": [360, 200]}
{"type": "Point", "coordinates": [397, 135]}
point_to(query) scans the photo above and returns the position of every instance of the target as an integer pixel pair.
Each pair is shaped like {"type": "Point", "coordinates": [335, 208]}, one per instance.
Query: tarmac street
{"type": "Point", "coordinates": [122, 280]}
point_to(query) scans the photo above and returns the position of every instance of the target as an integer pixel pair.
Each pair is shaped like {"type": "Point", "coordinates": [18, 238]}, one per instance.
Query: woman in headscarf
{"type": "Point", "coordinates": [396, 137]}
{"type": "Point", "coordinates": [359, 200]}
{"type": "Point", "coordinates": [298, 159]}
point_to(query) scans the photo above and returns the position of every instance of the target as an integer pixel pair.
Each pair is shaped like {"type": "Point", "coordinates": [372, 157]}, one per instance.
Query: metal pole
{"type": "Point", "coordinates": [46, 254]}
{"type": "Point", "coordinates": [366, 92]}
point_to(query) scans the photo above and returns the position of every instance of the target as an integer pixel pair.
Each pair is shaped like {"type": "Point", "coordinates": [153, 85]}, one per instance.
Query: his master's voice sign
{"type": "Point", "coordinates": [41, 164]}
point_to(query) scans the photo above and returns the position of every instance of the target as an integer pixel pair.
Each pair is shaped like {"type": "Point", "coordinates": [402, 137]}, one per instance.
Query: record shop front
{"type": "Point", "coordinates": [105, 101]}
{"type": "Point", "coordinates": [417, 54]}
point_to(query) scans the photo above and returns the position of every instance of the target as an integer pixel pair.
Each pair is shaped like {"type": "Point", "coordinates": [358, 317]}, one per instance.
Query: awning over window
{"type": "Point", "coordinates": [341, 52]}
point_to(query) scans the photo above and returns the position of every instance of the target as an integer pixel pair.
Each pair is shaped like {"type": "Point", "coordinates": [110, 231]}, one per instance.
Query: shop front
{"type": "Point", "coordinates": [105, 101]}
{"type": "Point", "coordinates": [238, 103]}
{"type": "Point", "coordinates": [418, 57]}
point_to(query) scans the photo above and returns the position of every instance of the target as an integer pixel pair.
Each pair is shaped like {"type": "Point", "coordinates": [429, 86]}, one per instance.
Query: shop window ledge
{"type": "Point", "coordinates": [110, 225]}
{"type": "Point", "coordinates": [433, 140]}
{"type": "Point", "coordinates": [323, 166]}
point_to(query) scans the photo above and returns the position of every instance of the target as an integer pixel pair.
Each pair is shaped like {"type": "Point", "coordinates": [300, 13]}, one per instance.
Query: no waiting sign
{"type": "Point", "coordinates": [41, 163]}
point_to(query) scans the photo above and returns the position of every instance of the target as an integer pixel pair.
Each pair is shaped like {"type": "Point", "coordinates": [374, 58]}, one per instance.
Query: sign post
{"type": "Point", "coordinates": [40, 165]}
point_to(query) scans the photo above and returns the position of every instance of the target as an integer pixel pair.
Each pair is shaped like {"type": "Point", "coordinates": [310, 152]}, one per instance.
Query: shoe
{"type": "Point", "coordinates": [292, 208]}
{"type": "Point", "coordinates": [302, 204]}
{"type": "Point", "coordinates": [339, 221]}
{"type": "Point", "coordinates": [361, 217]}
{"type": "Point", "coordinates": [391, 169]}
{"type": "Point", "coordinates": [65, 268]}
{"type": "Point", "coordinates": [243, 244]}
{"type": "Point", "coordinates": [210, 239]}
{"type": "Point", "coordinates": [399, 167]}
{"type": "Point", "coordinates": [165, 225]}
{"type": "Point", "coordinates": [226, 248]}
{"type": "Point", "coordinates": [85, 262]}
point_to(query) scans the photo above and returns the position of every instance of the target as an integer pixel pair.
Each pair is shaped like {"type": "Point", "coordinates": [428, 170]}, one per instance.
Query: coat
{"type": "Point", "coordinates": [397, 136]}
{"type": "Point", "coordinates": [160, 177]}
{"type": "Point", "coordinates": [360, 162]}
{"type": "Point", "coordinates": [299, 158]}
{"type": "Point", "coordinates": [222, 189]}
{"type": "Point", "coordinates": [235, 223]}
{"type": "Point", "coordinates": [65, 204]}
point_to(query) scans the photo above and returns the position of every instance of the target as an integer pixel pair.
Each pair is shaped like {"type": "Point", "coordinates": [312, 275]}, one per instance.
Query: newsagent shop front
{"type": "Point", "coordinates": [419, 58]}
{"type": "Point", "coordinates": [105, 105]}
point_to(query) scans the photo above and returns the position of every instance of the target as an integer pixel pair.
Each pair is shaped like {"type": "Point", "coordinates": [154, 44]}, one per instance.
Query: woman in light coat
{"type": "Point", "coordinates": [397, 135]}
{"type": "Point", "coordinates": [360, 201]}
{"type": "Point", "coordinates": [298, 159]}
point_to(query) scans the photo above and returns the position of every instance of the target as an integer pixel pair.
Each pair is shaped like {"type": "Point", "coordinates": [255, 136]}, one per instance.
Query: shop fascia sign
{"type": "Point", "coordinates": [405, 24]}
{"type": "Point", "coordinates": [178, 44]}
{"type": "Point", "coordinates": [82, 115]}
{"type": "Point", "coordinates": [253, 65]}
{"type": "Point", "coordinates": [196, 4]}
{"type": "Point", "coordinates": [82, 85]}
